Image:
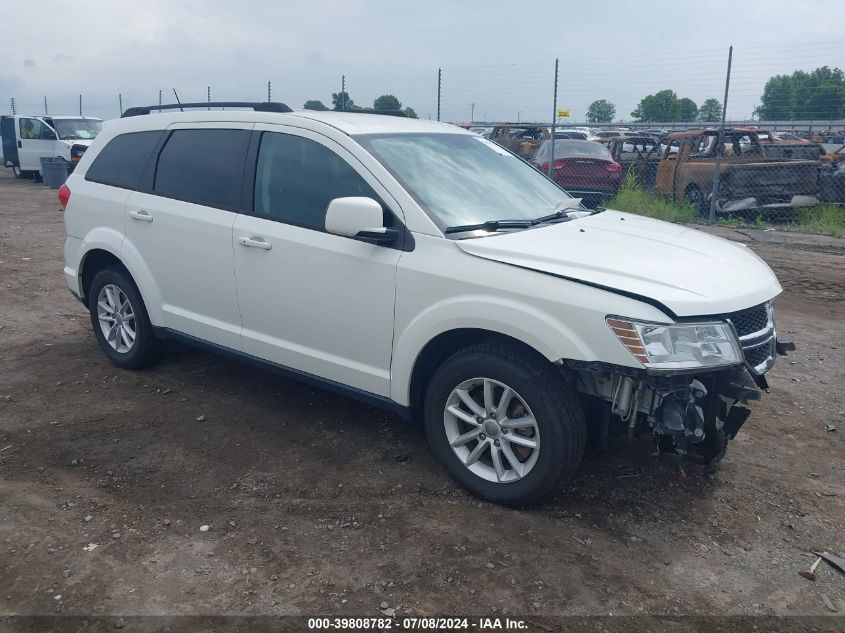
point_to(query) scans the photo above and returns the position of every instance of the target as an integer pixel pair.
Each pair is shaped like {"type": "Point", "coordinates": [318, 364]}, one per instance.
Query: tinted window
{"type": "Point", "coordinates": [122, 160]}
{"type": "Point", "coordinates": [296, 178]}
{"type": "Point", "coordinates": [202, 166]}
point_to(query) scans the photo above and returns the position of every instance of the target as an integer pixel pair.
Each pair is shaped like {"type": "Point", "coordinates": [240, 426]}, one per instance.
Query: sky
{"type": "Point", "coordinates": [499, 56]}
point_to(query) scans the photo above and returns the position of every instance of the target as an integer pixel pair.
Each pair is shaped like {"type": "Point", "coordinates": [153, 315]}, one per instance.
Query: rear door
{"type": "Point", "coordinates": [8, 132]}
{"type": "Point", "coordinates": [35, 139]}
{"type": "Point", "coordinates": [319, 303]}
{"type": "Point", "coordinates": [180, 224]}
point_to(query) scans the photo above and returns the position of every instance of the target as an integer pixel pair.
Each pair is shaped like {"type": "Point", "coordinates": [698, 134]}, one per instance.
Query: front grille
{"type": "Point", "coordinates": [756, 330]}
{"type": "Point", "coordinates": [758, 355]}
{"type": "Point", "coordinates": [751, 320]}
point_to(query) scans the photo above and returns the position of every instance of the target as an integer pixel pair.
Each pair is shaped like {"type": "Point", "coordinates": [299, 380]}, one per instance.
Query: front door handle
{"type": "Point", "coordinates": [254, 241]}
{"type": "Point", "coordinates": [20, 145]}
{"type": "Point", "coordinates": [141, 216]}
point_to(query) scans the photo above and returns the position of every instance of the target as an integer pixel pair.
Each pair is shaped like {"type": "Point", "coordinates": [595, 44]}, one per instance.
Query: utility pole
{"type": "Point", "coordinates": [159, 101]}
{"type": "Point", "coordinates": [472, 116]}
{"type": "Point", "coordinates": [518, 114]}
{"type": "Point", "coordinates": [119, 103]}
{"type": "Point", "coordinates": [554, 119]}
{"type": "Point", "coordinates": [714, 196]}
{"type": "Point", "coordinates": [14, 110]}
{"type": "Point", "coordinates": [208, 96]}
{"type": "Point", "coordinates": [439, 70]}
{"type": "Point", "coordinates": [45, 105]}
{"type": "Point", "coordinates": [269, 91]}
{"type": "Point", "coordinates": [343, 93]}
{"type": "Point", "coordinates": [80, 105]}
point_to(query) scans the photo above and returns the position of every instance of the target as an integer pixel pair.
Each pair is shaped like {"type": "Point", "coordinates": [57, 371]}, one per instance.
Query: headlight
{"type": "Point", "coordinates": [679, 346]}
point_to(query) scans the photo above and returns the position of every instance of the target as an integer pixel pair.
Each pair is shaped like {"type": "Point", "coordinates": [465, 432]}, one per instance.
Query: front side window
{"type": "Point", "coordinates": [33, 129]}
{"type": "Point", "coordinates": [202, 166]}
{"type": "Point", "coordinates": [296, 179]}
{"type": "Point", "coordinates": [461, 179]}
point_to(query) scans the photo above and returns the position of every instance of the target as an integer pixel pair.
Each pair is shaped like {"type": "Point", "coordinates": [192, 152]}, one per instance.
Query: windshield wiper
{"type": "Point", "coordinates": [490, 226]}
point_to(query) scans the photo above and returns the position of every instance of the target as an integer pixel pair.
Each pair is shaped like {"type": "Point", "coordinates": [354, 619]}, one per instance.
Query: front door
{"type": "Point", "coordinates": [35, 139]}
{"type": "Point", "coordinates": [319, 303]}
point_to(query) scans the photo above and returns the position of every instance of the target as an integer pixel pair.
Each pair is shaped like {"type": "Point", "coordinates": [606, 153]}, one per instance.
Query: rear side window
{"type": "Point", "coordinates": [203, 167]}
{"type": "Point", "coordinates": [122, 160]}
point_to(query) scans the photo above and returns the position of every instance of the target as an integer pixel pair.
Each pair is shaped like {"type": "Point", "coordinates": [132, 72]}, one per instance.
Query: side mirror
{"type": "Point", "coordinates": [359, 217]}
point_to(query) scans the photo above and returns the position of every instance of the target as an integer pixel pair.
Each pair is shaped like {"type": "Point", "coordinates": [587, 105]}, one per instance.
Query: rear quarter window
{"type": "Point", "coordinates": [121, 162]}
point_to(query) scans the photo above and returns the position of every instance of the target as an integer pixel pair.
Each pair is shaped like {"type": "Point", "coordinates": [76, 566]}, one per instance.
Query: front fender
{"type": "Point", "coordinates": [528, 324]}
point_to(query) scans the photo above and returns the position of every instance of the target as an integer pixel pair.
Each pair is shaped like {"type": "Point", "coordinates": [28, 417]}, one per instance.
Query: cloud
{"type": "Point", "coordinates": [29, 63]}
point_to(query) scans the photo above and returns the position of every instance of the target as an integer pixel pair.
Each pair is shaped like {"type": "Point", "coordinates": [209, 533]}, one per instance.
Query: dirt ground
{"type": "Point", "coordinates": [106, 477]}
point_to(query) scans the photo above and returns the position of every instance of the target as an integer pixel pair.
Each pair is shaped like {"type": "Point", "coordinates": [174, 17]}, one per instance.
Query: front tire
{"type": "Point", "coordinates": [120, 320]}
{"type": "Point", "coordinates": [506, 425]}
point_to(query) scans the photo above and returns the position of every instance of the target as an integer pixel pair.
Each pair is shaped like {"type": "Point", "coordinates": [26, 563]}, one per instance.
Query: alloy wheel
{"type": "Point", "coordinates": [117, 318]}
{"type": "Point", "coordinates": [491, 430]}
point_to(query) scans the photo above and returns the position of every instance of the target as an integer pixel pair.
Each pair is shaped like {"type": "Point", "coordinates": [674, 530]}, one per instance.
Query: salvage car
{"type": "Point", "coordinates": [421, 268]}
{"type": "Point", "coordinates": [520, 138]}
{"type": "Point", "coordinates": [749, 178]}
{"type": "Point", "coordinates": [638, 155]}
{"type": "Point", "coordinates": [585, 169]}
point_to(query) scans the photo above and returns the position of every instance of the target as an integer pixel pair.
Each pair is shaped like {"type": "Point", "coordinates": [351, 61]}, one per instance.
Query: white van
{"type": "Point", "coordinates": [422, 268]}
{"type": "Point", "coordinates": [26, 139]}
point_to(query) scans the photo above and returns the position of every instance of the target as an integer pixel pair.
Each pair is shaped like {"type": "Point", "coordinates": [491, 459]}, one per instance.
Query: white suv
{"type": "Point", "coordinates": [424, 269]}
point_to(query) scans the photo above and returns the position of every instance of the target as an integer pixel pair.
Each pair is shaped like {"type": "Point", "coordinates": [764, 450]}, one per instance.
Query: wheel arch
{"type": "Point", "coordinates": [444, 345]}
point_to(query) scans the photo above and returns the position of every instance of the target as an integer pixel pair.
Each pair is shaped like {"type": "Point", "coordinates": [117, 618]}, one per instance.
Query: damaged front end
{"type": "Point", "coordinates": [689, 411]}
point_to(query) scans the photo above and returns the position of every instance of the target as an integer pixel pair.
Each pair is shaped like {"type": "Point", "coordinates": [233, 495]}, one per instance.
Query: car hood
{"type": "Point", "coordinates": [688, 271]}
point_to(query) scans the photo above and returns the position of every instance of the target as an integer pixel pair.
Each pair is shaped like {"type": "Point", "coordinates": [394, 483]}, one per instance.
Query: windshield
{"type": "Point", "coordinates": [461, 179]}
{"type": "Point", "coordinates": [76, 129]}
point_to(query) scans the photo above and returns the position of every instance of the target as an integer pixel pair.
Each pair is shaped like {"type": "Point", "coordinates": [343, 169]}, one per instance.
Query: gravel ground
{"type": "Point", "coordinates": [315, 504]}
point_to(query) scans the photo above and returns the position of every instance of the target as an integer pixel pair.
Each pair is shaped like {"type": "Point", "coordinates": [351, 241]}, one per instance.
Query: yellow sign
{"type": "Point", "coordinates": [564, 113]}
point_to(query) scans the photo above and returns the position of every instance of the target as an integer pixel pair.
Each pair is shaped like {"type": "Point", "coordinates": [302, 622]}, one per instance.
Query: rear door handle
{"type": "Point", "coordinates": [20, 145]}
{"type": "Point", "coordinates": [141, 216]}
{"type": "Point", "coordinates": [254, 241]}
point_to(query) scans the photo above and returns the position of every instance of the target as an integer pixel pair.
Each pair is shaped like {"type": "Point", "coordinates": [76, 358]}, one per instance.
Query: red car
{"type": "Point", "coordinates": [583, 168]}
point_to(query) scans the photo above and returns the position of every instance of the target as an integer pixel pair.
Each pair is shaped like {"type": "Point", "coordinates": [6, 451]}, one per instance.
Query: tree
{"type": "Point", "coordinates": [341, 101]}
{"type": "Point", "coordinates": [663, 106]}
{"type": "Point", "coordinates": [687, 109]}
{"type": "Point", "coordinates": [710, 111]}
{"type": "Point", "coordinates": [819, 94]}
{"type": "Point", "coordinates": [387, 102]}
{"type": "Point", "coordinates": [409, 112]}
{"type": "Point", "coordinates": [601, 111]}
{"type": "Point", "coordinates": [313, 104]}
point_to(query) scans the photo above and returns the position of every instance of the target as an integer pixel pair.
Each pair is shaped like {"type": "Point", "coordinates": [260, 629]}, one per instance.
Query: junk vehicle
{"type": "Point", "coordinates": [27, 139]}
{"type": "Point", "coordinates": [749, 178]}
{"type": "Point", "coordinates": [583, 168]}
{"type": "Point", "coordinates": [637, 154]}
{"type": "Point", "coordinates": [420, 268]}
{"type": "Point", "coordinates": [522, 139]}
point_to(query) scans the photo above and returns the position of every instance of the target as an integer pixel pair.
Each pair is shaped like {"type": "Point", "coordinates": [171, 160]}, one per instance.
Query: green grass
{"type": "Point", "coordinates": [632, 198]}
{"type": "Point", "coordinates": [825, 219]}
{"type": "Point", "coordinates": [828, 219]}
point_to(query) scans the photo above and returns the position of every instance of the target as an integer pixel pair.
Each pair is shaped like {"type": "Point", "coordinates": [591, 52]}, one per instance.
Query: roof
{"type": "Point", "coordinates": [347, 122]}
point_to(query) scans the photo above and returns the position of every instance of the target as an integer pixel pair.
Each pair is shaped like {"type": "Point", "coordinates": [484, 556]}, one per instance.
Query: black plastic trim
{"type": "Point", "coordinates": [264, 106]}
{"type": "Point", "coordinates": [360, 395]}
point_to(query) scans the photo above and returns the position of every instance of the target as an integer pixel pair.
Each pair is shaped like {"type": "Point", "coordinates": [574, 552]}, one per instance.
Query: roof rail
{"type": "Point", "coordinates": [265, 106]}
{"type": "Point", "coordinates": [382, 112]}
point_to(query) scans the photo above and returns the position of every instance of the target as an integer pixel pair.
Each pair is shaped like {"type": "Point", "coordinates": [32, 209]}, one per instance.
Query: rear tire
{"type": "Point", "coordinates": [120, 320]}
{"type": "Point", "coordinates": [17, 173]}
{"type": "Point", "coordinates": [499, 463]}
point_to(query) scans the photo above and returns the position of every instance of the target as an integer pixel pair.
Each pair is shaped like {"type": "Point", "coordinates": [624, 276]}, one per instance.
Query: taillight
{"type": "Point", "coordinates": [64, 196]}
{"type": "Point", "coordinates": [613, 167]}
{"type": "Point", "coordinates": [560, 164]}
